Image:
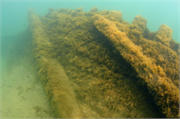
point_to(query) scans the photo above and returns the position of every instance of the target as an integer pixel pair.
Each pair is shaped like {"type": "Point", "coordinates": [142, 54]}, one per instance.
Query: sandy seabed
{"type": "Point", "coordinates": [22, 95]}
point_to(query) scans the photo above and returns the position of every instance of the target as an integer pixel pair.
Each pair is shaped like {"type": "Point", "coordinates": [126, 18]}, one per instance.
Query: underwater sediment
{"type": "Point", "coordinates": [96, 65]}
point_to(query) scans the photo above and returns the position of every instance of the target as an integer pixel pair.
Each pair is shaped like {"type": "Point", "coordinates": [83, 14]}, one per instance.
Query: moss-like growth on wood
{"type": "Point", "coordinates": [114, 69]}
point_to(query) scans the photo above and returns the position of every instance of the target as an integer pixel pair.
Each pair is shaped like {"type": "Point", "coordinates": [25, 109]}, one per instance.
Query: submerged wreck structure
{"type": "Point", "coordinates": [96, 65]}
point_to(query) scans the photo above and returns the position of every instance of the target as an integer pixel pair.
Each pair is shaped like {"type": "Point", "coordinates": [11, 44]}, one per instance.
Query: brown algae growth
{"type": "Point", "coordinates": [96, 65]}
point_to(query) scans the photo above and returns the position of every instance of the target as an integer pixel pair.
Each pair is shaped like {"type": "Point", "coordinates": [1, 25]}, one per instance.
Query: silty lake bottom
{"type": "Point", "coordinates": [76, 64]}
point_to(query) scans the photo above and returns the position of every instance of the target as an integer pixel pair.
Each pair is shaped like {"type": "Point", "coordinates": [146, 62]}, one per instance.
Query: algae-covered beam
{"type": "Point", "coordinates": [166, 94]}
{"type": "Point", "coordinates": [52, 75]}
